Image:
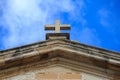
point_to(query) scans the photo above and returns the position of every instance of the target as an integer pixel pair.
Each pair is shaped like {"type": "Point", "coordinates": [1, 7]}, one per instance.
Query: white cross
{"type": "Point", "coordinates": [57, 27]}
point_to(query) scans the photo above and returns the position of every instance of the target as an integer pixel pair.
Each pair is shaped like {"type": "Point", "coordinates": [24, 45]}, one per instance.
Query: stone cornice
{"type": "Point", "coordinates": [63, 43]}
{"type": "Point", "coordinates": [70, 50]}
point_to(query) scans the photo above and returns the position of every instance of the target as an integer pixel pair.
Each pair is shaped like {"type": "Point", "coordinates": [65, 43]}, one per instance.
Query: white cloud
{"type": "Point", "coordinates": [25, 19]}
{"type": "Point", "coordinates": [89, 36]}
{"type": "Point", "coordinates": [104, 16]}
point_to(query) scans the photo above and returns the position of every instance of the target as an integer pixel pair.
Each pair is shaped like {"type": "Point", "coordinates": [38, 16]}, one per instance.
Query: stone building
{"type": "Point", "coordinates": [58, 58]}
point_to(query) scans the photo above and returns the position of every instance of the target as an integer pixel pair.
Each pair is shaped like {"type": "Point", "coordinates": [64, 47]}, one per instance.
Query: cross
{"type": "Point", "coordinates": [57, 27]}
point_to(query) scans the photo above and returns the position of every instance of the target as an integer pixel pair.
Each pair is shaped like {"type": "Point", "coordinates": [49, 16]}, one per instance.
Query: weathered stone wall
{"type": "Point", "coordinates": [56, 73]}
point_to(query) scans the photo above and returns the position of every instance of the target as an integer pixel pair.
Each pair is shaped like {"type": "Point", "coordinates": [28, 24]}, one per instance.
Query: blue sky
{"type": "Point", "coordinates": [93, 22]}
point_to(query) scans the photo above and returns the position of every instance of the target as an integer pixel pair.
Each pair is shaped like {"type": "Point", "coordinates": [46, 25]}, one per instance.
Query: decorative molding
{"type": "Point", "coordinates": [59, 52]}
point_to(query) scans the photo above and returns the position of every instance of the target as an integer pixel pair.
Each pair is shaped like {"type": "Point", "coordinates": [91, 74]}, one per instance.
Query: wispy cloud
{"type": "Point", "coordinates": [25, 19]}
{"type": "Point", "coordinates": [104, 16]}
{"type": "Point", "coordinates": [107, 19]}
{"type": "Point", "coordinates": [89, 36]}
{"type": "Point", "coordinates": [110, 24]}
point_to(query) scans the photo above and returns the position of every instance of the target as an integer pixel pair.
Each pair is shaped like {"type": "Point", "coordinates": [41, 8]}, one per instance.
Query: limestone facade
{"type": "Point", "coordinates": [56, 73]}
